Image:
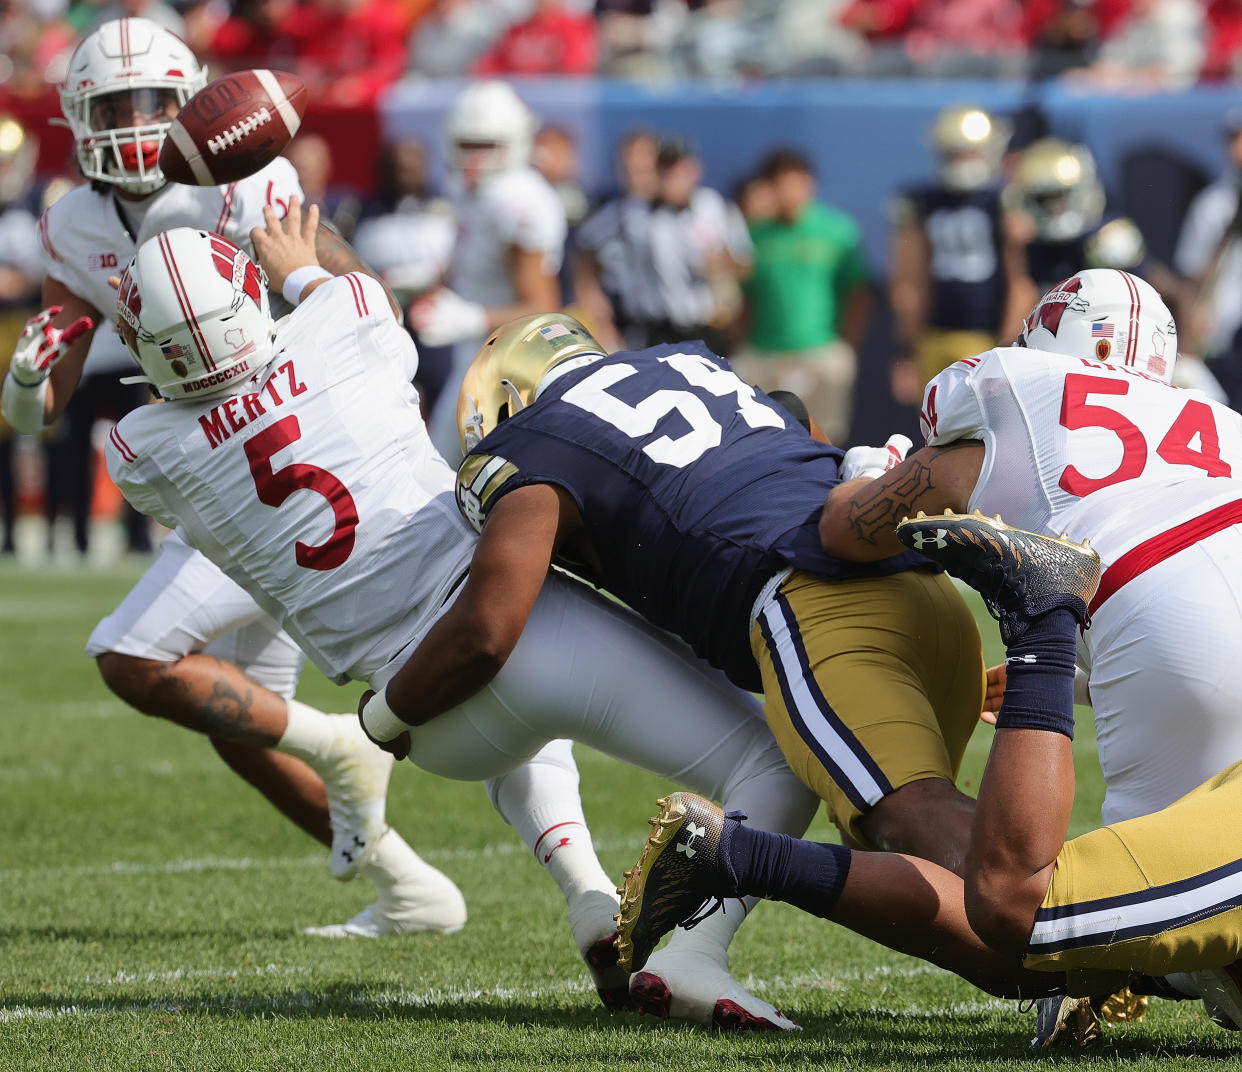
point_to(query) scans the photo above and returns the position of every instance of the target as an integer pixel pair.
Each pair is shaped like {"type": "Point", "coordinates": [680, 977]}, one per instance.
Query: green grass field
{"type": "Point", "coordinates": [150, 905]}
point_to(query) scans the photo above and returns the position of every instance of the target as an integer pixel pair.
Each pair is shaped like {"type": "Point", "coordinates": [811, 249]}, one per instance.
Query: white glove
{"type": "Point", "coordinates": [444, 317]}
{"type": "Point", "coordinates": [874, 461]}
{"type": "Point", "coordinates": [41, 345]}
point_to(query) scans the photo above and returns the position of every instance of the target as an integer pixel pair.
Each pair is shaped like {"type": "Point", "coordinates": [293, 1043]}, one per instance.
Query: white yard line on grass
{"type": "Point", "coordinates": [396, 999]}
{"type": "Point", "coordinates": [268, 863]}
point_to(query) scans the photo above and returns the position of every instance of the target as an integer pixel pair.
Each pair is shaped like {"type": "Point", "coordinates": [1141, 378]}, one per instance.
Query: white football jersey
{"type": "Point", "coordinates": [318, 491]}
{"type": "Point", "coordinates": [87, 237]}
{"type": "Point", "coordinates": [516, 208]}
{"type": "Point", "coordinates": [1081, 447]}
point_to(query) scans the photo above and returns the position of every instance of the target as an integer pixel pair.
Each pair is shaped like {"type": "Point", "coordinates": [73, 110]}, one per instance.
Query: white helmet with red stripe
{"type": "Point", "coordinates": [124, 85]}
{"type": "Point", "coordinates": [1108, 315]}
{"type": "Point", "coordinates": [193, 310]}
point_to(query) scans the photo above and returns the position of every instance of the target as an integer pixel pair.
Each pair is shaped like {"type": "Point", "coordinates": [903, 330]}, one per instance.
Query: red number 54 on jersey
{"type": "Point", "coordinates": [1192, 439]}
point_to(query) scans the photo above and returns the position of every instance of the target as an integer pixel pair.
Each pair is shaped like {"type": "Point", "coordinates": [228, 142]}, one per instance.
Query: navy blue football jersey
{"type": "Point", "coordinates": [694, 487]}
{"type": "Point", "coordinates": [963, 229]}
{"type": "Point", "coordinates": [1050, 262]}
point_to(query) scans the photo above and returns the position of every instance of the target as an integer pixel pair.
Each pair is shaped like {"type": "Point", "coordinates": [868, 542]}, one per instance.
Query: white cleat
{"type": "Point", "coordinates": [1221, 991]}
{"type": "Point", "coordinates": [355, 775]}
{"type": "Point", "coordinates": [591, 917]}
{"type": "Point", "coordinates": [430, 903]}
{"type": "Point", "coordinates": [693, 986]}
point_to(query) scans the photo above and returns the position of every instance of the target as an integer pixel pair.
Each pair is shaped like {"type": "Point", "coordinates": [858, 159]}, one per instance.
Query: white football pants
{"type": "Point", "coordinates": [1163, 655]}
{"type": "Point", "coordinates": [185, 604]}
{"type": "Point", "coordinates": [594, 672]}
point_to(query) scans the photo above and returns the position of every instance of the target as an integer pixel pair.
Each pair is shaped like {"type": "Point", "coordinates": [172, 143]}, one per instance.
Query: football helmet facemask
{"type": "Point", "coordinates": [1104, 314]}
{"type": "Point", "coordinates": [505, 375]}
{"type": "Point", "coordinates": [970, 144]}
{"type": "Point", "coordinates": [489, 130]}
{"type": "Point", "coordinates": [193, 310]}
{"type": "Point", "coordinates": [1057, 186]}
{"type": "Point", "coordinates": [124, 86]}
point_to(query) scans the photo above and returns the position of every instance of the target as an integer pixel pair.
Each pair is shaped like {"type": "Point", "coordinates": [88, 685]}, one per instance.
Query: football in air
{"type": "Point", "coordinates": [232, 127]}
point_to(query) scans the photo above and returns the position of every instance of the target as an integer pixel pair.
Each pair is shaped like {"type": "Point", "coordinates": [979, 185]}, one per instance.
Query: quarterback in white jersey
{"type": "Point", "coordinates": [187, 644]}
{"type": "Point", "coordinates": [1077, 431]}
{"type": "Point", "coordinates": [510, 239]}
{"type": "Point", "coordinates": [359, 567]}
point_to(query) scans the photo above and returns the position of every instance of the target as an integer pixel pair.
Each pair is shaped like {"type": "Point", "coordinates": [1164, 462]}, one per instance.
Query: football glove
{"type": "Point", "coordinates": [874, 461]}
{"type": "Point", "coordinates": [444, 317]}
{"type": "Point", "coordinates": [41, 345]}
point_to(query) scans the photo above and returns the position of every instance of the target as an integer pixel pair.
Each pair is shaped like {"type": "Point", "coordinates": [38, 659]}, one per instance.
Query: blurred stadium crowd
{"type": "Point", "coordinates": [767, 272]}
{"type": "Point", "coordinates": [359, 46]}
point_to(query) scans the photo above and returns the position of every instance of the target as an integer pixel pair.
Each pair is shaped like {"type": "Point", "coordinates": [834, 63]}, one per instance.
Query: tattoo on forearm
{"type": "Point", "coordinates": [336, 255]}
{"type": "Point", "coordinates": [874, 513]}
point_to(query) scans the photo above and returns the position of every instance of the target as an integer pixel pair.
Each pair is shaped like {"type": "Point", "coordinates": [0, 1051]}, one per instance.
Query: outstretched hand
{"type": "Point", "coordinates": [41, 345]}
{"type": "Point", "coordinates": [282, 245]}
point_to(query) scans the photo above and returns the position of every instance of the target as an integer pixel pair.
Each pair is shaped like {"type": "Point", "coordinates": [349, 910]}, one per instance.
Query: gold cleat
{"type": "Point", "coordinates": [1021, 575]}
{"type": "Point", "coordinates": [1123, 1007]}
{"type": "Point", "coordinates": [675, 874]}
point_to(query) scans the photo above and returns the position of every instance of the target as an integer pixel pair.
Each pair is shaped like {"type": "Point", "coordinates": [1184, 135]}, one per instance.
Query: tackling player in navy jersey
{"type": "Point", "coordinates": [686, 493]}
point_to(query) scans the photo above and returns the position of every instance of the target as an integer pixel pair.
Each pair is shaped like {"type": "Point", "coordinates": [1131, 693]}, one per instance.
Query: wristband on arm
{"type": "Point", "coordinates": [299, 279]}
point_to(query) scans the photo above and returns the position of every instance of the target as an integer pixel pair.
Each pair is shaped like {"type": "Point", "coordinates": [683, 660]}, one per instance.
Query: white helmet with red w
{"type": "Point", "coordinates": [193, 310]}
{"type": "Point", "coordinates": [1108, 315]}
{"type": "Point", "coordinates": [124, 85]}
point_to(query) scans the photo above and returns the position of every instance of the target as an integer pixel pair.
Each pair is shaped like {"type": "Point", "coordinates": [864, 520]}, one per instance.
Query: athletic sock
{"type": "Point", "coordinates": [309, 734]}
{"type": "Point", "coordinates": [806, 874]}
{"type": "Point", "coordinates": [1039, 676]}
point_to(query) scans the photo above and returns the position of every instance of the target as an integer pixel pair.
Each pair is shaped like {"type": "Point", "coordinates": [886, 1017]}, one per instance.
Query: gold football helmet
{"type": "Point", "coordinates": [1056, 184]}
{"type": "Point", "coordinates": [970, 144]}
{"type": "Point", "coordinates": [505, 374]}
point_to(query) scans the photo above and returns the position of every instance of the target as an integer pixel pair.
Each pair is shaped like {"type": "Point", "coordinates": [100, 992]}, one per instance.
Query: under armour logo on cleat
{"type": "Point", "coordinates": [692, 833]}
{"type": "Point", "coordinates": [921, 540]}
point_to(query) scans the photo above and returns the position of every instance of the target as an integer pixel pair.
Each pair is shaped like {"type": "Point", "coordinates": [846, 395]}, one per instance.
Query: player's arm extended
{"type": "Point", "coordinates": [860, 517]}
{"type": "Point", "coordinates": [65, 368]}
{"type": "Point", "coordinates": [339, 258]}
{"type": "Point", "coordinates": [472, 640]}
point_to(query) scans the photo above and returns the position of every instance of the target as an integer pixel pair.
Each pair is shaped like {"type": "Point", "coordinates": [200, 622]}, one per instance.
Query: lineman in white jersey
{"type": "Point", "coordinates": [1077, 430]}
{"type": "Point", "coordinates": [187, 644]}
{"type": "Point", "coordinates": [510, 241]}
{"type": "Point", "coordinates": [360, 567]}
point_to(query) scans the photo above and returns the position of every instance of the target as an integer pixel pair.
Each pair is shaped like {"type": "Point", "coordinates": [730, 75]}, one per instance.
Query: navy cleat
{"type": "Point", "coordinates": [677, 872]}
{"type": "Point", "coordinates": [1067, 1023]}
{"type": "Point", "coordinates": [1021, 575]}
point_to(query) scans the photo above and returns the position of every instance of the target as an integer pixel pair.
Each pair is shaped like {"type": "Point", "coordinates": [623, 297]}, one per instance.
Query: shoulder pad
{"type": "Point", "coordinates": [479, 479]}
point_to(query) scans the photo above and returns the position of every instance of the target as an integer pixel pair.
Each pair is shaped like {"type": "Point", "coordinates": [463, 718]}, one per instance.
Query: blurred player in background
{"type": "Point", "coordinates": [951, 266]}
{"type": "Point", "coordinates": [1056, 210]}
{"type": "Point", "coordinates": [510, 239]}
{"type": "Point", "coordinates": [187, 644]}
{"type": "Point", "coordinates": [407, 234]}
{"type": "Point", "coordinates": [358, 570]}
{"type": "Point", "coordinates": [613, 284]}
{"type": "Point", "coordinates": [21, 270]}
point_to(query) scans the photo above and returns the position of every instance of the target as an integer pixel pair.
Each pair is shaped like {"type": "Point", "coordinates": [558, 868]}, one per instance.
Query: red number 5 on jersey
{"type": "Point", "coordinates": [1195, 419]}
{"type": "Point", "coordinates": [275, 486]}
